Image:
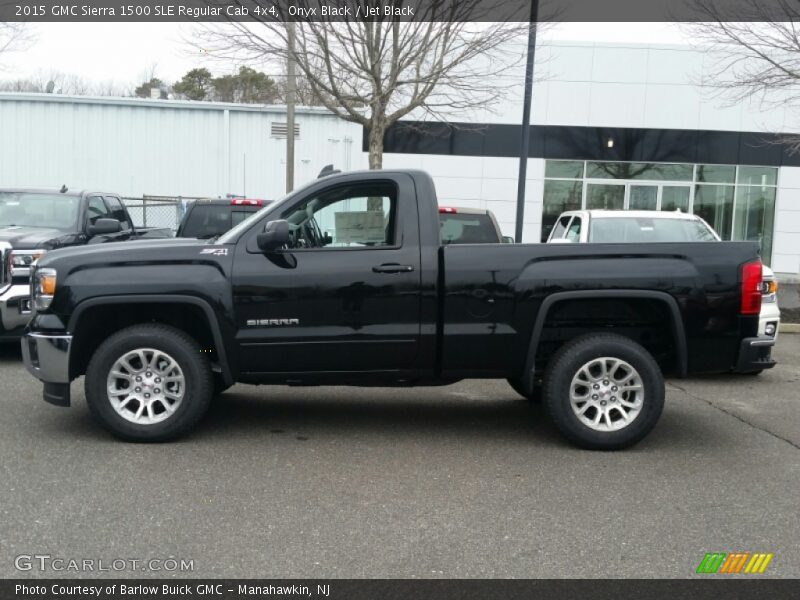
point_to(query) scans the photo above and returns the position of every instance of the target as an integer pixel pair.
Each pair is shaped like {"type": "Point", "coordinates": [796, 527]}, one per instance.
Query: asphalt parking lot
{"type": "Point", "coordinates": [461, 481]}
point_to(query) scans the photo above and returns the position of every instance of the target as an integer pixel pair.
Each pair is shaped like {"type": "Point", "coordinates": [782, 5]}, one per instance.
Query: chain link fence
{"type": "Point", "coordinates": [157, 211]}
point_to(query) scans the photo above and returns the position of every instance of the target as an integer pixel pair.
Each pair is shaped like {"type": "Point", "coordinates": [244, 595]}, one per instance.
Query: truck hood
{"type": "Point", "coordinates": [141, 251]}
{"type": "Point", "coordinates": [26, 238]}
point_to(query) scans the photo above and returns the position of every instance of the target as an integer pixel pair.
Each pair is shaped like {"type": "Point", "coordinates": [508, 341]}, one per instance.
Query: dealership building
{"type": "Point", "coordinates": [614, 126]}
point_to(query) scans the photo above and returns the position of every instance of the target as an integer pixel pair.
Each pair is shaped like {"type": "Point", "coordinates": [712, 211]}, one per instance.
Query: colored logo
{"type": "Point", "coordinates": [734, 562]}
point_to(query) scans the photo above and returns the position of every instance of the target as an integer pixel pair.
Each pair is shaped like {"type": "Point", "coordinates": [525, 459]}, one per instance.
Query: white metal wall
{"type": "Point", "coordinates": [163, 147]}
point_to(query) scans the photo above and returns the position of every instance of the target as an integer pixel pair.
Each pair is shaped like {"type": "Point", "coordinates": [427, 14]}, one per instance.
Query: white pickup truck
{"type": "Point", "coordinates": [616, 226]}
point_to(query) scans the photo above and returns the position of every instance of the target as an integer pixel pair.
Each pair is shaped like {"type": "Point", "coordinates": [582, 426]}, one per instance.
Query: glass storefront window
{"type": "Point", "coordinates": [643, 197]}
{"type": "Point", "coordinates": [755, 212]}
{"type": "Point", "coordinates": [675, 197]}
{"type": "Point", "coordinates": [559, 196]}
{"type": "Point", "coordinates": [605, 196]}
{"type": "Point", "coordinates": [716, 174]}
{"type": "Point", "coordinates": [757, 176]}
{"type": "Point", "coordinates": [564, 169]}
{"type": "Point", "coordinates": [714, 203]}
{"type": "Point", "coordinates": [651, 171]}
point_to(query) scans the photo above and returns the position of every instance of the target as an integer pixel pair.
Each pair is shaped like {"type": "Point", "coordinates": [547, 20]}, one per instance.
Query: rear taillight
{"type": "Point", "coordinates": [447, 210]}
{"type": "Point", "coordinates": [246, 202]}
{"type": "Point", "coordinates": [751, 288]}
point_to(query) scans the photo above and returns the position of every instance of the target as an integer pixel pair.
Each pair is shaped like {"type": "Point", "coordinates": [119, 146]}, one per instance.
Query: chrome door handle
{"type": "Point", "coordinates": [392, 268]}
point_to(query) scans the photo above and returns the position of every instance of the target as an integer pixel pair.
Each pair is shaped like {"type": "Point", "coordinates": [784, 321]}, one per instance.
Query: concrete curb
{"type": "Point", "coordinates": [789, 328]}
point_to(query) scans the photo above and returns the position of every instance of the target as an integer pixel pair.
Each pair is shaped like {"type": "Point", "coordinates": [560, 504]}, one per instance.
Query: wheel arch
{"type": "Point", "coordinates": [198, 305]}
{"type": "Point", "coordinates": [676, 323]}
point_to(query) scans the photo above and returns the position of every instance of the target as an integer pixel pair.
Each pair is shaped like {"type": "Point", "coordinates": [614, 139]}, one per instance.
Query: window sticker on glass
{"type": "Point", "coordinates": [360, 227]}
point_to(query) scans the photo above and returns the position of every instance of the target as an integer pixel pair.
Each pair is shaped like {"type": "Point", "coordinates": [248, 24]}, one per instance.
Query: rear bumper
{"type": "Point", "coordinates": [15, 310]}
{"type": "Point", "coordinates": [755, 354]}
{"type": "Point", "coordinates": [47, 358]}
{"type": "Point", "coordinates": [770, 315]}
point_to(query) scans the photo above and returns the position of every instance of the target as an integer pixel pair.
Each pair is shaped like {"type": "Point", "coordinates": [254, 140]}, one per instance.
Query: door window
{"type": "Point", "coordinates": [97, 209]}
{"type": "Point", "coordinates": [360, 216]}
{"type": "Point", "coordinates": [118, 212]}
{"type": "Point", "coordinates": [574, 230]}
{"type": "Point", "coordinates": [560, 228]}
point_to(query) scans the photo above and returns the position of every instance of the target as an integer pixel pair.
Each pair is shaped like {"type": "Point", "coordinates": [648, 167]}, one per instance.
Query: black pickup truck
{"type": "Point", "coordinates": [346, 282]}
{"type": "Point", "coordinates": [33, 222]}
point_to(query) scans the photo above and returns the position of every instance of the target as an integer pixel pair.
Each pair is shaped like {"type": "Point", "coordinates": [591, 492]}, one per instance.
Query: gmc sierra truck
{"type": "Point", "coordinates": [346, 281]}
{"type": "Point", "coordinates": [33, 222]}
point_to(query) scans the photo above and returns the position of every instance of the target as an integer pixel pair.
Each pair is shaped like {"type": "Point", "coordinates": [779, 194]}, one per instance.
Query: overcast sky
{"type": "Point", "coordinates": [123, 53]}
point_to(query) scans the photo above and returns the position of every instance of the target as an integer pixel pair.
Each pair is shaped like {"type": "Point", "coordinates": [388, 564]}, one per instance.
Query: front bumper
{"type": "Point", "coordinates": [47, 358]}
{"type": "Point", "coordinates": [15, 310]}
{"type": "Point", "coordinates": [755, 354]}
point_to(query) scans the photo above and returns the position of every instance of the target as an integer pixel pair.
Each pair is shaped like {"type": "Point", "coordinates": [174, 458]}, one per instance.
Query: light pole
{"type": "Point", "coordinates": [526, 121]}
{"type": "Point", "coordinates": [291, 85]}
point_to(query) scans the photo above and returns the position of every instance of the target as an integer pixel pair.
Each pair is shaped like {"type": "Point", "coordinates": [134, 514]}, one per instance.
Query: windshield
{"type": "Point", "coordinates": [51, 211]}
{"type": "Point", "coordinates": [646, 229]}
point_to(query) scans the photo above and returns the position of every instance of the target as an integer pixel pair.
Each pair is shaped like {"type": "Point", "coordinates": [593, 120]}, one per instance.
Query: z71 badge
{"type": "Point", "coordinates": [215, 251]}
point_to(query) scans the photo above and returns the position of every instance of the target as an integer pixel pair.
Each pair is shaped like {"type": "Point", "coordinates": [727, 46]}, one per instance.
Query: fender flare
{"type": "Point", "coordinates": [211, 316]}
{"type": "Point", "coordinates": [678, 330]}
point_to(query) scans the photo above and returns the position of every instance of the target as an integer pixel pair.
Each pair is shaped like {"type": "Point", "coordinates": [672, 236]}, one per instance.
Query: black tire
{"type": "Point", "coordinates": [566, 364]}
{"type": "Point", "coordinates": [516, 385]}
{"type": "Point", "coordinates": [186, 352]}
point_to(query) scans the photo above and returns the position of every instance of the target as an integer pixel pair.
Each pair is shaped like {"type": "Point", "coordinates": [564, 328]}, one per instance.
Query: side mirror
{"type": "Point", "coordinates": [104, 226]}
{"type": "Point", "coordinates": [507, 239]}
{"type": "Point", "coordinates": [276, 235]}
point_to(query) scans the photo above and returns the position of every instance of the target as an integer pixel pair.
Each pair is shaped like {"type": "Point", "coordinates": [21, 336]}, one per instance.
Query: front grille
{"type": "Point", "coordinates": [5, 276]}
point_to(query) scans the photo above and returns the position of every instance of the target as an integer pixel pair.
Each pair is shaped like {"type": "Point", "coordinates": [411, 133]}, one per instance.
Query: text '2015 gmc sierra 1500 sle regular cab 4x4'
{"type": "Point", "coordinates": [345, 281]}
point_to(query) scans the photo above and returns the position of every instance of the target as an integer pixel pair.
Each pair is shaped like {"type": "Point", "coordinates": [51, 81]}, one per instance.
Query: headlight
{"type": "Point", "coordinates": [20, 261]}
{"type": "Point", "coordinates": [43, 288]}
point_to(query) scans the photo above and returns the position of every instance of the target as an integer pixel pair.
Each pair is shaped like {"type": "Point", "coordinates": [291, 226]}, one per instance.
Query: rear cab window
{"type": "Point", "coordinates": [208, 220]}
{"type": "Point", "coordinates": [465, 228]}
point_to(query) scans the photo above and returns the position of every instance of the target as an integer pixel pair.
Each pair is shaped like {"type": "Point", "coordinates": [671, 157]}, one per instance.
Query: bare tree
{"type": "Point", "coordinates": [374, 72]}
{"type": "Point", "coordinates": [756, 57]}
{"type": "Point", "coordinates": [63, 83]}
{"type": "Point", "coordinates": [14, 37]}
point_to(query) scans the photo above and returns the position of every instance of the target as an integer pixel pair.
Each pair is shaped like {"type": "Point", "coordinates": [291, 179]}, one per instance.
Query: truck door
{"type": "Point", "coordinates": [345, 294]}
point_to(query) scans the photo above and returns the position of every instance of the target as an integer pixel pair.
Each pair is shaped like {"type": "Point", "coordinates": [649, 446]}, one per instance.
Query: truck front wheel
{"type": "Point", "coordinates": [604, 391]}
{"type": "Point", "coordinates": [149, 383]}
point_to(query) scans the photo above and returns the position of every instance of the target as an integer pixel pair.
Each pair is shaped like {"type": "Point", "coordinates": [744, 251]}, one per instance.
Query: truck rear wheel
{"type": "Point", "coordinates": [149, 383]}
{"type": "Point", "coordinates": [604, 391]}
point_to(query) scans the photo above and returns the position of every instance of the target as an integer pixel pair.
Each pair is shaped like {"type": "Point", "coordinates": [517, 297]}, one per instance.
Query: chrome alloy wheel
{"type": "Point", "coordinates": [606, 394]}
{"type": "Point", "coordinates": [146, 386]}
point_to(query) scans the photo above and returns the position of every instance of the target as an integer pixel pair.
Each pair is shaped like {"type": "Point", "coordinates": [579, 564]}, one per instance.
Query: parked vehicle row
{"type": "Point", "coordinates": [348, 280]}
{"type": "Point", "coordinates": [34, 222]}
